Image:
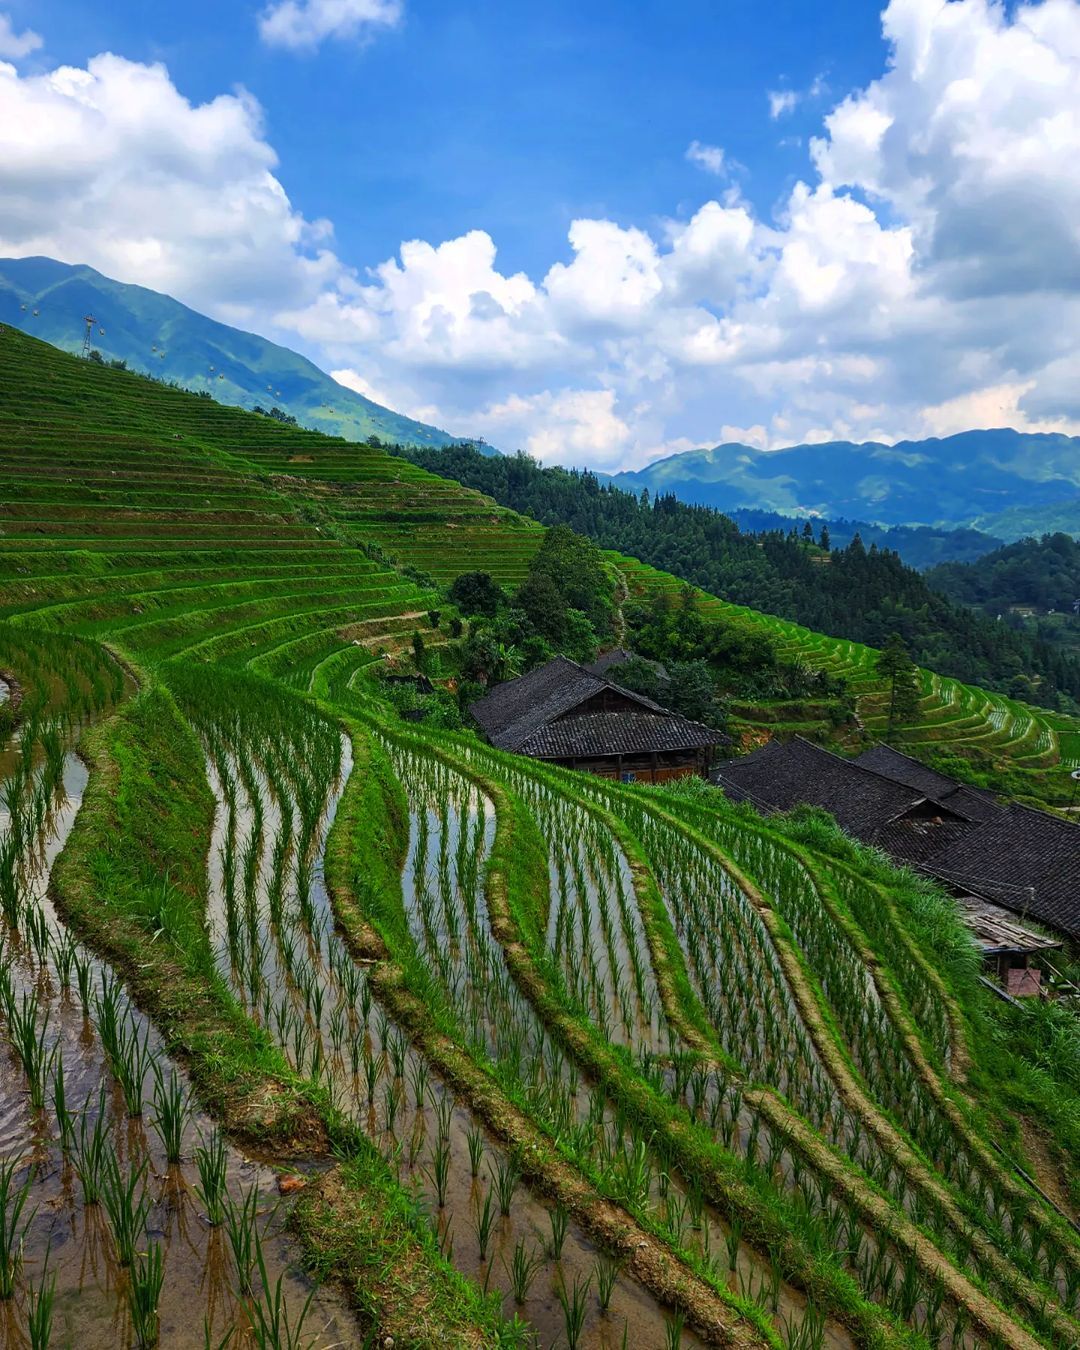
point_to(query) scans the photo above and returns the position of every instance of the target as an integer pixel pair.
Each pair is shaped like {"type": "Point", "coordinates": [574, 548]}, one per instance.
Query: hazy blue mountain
{"type": "Point", "coordinates": [993, 480]}
{"type": "Point", "coordinates": [159, 336]}
{"type": "Point", "coordinates": [920, 546]}
{"type": "Point", "coordinates": [1019, 522]}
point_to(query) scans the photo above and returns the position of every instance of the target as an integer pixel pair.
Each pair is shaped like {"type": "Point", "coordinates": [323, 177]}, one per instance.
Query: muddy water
{"type": "Point", "coordinates": [438, 1148]}
{"type": "Point", "coordinates": [440, 819]}
{"type": "Point", "coordinates": [699, 1227]}
{"type": "Point", "coordinates": [70, 1242]}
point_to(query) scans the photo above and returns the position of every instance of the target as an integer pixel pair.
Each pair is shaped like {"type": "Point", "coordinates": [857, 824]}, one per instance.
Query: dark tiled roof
{"type": "Point", "coordinates": [595, 734]}
{"type": "Point", "coordinates": [782, 775]}
{"type": "Point", "coordinates": [511, 712]}
{"type": "Point", "coordinates": [618, 656]}
{"type": "Point", "coordinates": [915, 841]}
{"type": "Point", "coordinates": [890, 763]}
{"type": "Point", "coordinates": [993, 851]}
{"type": "Point", "coordinates": [1017, 849]}
{"type": "Point", "coordinates": [533, 712]}
{"type": "Point", "coordinates": [971, 803]}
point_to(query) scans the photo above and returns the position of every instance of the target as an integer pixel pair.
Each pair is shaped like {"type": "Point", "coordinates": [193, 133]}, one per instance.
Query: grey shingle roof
{"type": "Point", "coordinates": [890, 763]}
{"type": "Point", "coordinates": [968, 802]}
{"type": "Point", "coordinates": [532, 715]}
{"type": "Point", "coordinates": [590, 735]}
{"type": "Point", "coordinates": [782, 775]}
{"type": "Point", "coordinates": [1017, 849]}
{"type": "Point", "coordinates": [1024, 860]}
{"type": "Point", "coordinates": [618, 656]}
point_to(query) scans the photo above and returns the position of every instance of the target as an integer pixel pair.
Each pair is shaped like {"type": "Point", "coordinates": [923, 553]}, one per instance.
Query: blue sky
{"type": "Point", "coordinates": [603, 232]}
{"type": "Point", "coordinates": [510, 117]}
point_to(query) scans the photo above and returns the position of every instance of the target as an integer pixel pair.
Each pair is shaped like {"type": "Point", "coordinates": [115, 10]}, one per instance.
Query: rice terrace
{"type": "Point", "coordinates": [326, 1026]}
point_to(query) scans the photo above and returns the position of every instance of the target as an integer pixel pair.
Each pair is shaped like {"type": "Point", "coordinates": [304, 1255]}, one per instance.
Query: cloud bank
{"type": "Point", "coordinates": [924, 275]}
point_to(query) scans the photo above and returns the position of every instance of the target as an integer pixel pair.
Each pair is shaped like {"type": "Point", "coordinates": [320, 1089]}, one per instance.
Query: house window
{"type": "Point", "coordinates": [629, 776]}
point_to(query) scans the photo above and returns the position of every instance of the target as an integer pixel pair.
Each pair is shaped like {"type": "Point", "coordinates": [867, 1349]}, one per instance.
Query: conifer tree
{"type": "Point", "coordinates": [895, 665]}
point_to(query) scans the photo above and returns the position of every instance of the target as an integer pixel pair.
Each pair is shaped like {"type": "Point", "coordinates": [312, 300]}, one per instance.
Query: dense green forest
{"type": "Point", "coordinates": [1034, 585]}
{"type": "Point", "coordinates": [920, 546]}
{"type": "Point", "coordinates": [856, 592]}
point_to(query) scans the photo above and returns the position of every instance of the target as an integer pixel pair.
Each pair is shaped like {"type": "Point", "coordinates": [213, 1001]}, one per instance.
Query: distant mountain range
{"type": "Point", "coordinates": [1002, 482]}
{"type": "Point", "coordinates": [157, 335]}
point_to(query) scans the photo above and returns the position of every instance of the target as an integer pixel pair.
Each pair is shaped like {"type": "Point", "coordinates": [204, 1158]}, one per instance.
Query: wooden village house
{"type": "Point", "coordinates": [1006, 864]}
{"type": "Point", "coordinates": [566, 715]}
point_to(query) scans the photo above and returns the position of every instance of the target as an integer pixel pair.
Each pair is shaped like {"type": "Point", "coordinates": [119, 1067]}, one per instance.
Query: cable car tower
{"type": "Point", "coordinates": [89, 320]}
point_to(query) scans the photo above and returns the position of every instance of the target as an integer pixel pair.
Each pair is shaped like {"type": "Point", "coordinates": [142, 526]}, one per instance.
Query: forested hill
{"type": "Point", "coordinates": [855, 592]}
{"type": "Point", "coordinates": [1033, 584]}
{"type": "Point", "coordinates": [155, 335]}
{"type": "Point", "coordinates": [1043, 574]}
{"type": "Point", "coordinates": [920, 546]}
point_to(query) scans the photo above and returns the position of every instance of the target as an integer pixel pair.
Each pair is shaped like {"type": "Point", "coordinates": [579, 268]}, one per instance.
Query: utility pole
{"type": "Point", "coordinates": [89, 320]}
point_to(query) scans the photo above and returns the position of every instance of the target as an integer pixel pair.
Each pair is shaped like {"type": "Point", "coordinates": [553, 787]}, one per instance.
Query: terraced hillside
{"type": "Point", "coordinates": [1033, 751]}
{"type": "Point", "coordinates": [537, 1058]}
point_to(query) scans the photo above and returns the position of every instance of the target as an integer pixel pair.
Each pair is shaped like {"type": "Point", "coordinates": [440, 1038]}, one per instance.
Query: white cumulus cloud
{"type": "Point", "coordinates": [303, 24]}
{"type": "Point", "coordinates": [782, 102]}
{"type": "Point", "coordinates": [110, 165]}
{"type": "Point", "coordinates": [711, 158]}
{"type": "Point", "coordinates": [923, 275]}
{"type": "Point", "coordinates": [14, 46]}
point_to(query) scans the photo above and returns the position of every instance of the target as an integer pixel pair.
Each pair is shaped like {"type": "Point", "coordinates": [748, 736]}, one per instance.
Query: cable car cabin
{"type": "Point", "coordinates": [563, 714]}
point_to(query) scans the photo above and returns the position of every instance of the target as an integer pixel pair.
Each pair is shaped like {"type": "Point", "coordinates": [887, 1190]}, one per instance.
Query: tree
{"type": "Point", "coordinates": [419, 650]}
{"type": "Point", "coordinates": [808, 532]}
{"type": "Point", "coordinates": [477, 593]}
{"type": "Point", "coordinates": [544, 606]}
{"type": "Point", "coordinates": [576, 566]}
{"type": "Point", "coordinates": [825, 538]}
{"type": "Point", "coordinates": [895, 665]}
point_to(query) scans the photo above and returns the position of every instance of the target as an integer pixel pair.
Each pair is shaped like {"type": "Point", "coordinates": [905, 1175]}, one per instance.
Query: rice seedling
{"type": "Point", "coordinates": [171, 1112]}
{"type": "Point", "coordinates": [83, 980]}
{"type": "Point", "coordinates": [133, 1058]}
{"type": "Point", "coordinates": [474, 1138]}
{"type": "Point", "coordinates": [807, 1334]}
{"type": "Point", "coordinates": [560, 1222]}
{"type": "Point", "coordinates": [607, 1273]}
{"type": "Point", "coordinates": [37, 932]}
{"type": "Point", "coordinates": [64, 954]}
{"type": "Point", "coordinates": [574, 1304]}
{"type": "Point", "coordinates": [484, 1223]}
{"type": "Point", "coordinates": [146, 1278]}
{"type": "Point", "coordinates": [271, 1326]}
{"type": "Point", "coordinates": [10, 889]}
{"type": "Point", "coordinates": [40, 1302]}
{"type": "Point", "coordinates": [241, 1229]}
{"type": "Point", "coordinates": [93, 1150]}
{"type": "Point", "coordinates": [212, 1164]}
{"type": "Point", "coordinates": [522, 1269]}
{"type": "Point", "coordinates": [127, 1205]}
{"type": "Point", "coordinates": [444, 1111]}
{"type": "Point", "coordinates": [674, 1330]}
{"type": "Point", "coordinates": [439, 1171]}
{"type": "Point", "coordinates": [64, 1119]}
{"type": "Point", "coordinates": [13, 1228]}
{"type": "Point", "coordinates": [27, 1035]}
{"type": "Point", "coordinates": [505, 1176]}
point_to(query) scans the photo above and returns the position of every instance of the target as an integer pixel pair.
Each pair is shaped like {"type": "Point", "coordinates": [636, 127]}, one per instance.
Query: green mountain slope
{"type": "Point", "coordinates": [179, 527]}
{"type": "Point", "coordinates": [157, 335]}
{"type": "Point", "coordinates": [997, 480]}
